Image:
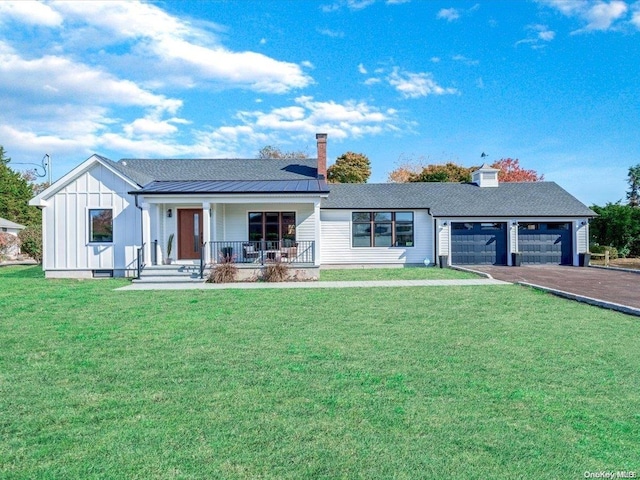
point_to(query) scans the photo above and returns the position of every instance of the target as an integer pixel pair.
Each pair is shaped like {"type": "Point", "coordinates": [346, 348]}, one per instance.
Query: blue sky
{"type": "Point", "coordinates": [554, 83]}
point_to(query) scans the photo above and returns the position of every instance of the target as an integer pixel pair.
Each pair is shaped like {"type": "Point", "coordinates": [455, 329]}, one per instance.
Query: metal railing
{"type": "Point", "coordinates": [154, 253]}
{"type": "Point", "coordinates": [202, 262]}
{"type": "Point", "coordinates": [263, 251]}
{"type": "Point", "coordinates": [140, 260]}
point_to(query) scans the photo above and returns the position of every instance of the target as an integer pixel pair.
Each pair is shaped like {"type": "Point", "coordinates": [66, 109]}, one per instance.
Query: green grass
{"type": "Point", "coordinates": [410, 273]}
{"type": "Point", "coordinates": [471, 382]}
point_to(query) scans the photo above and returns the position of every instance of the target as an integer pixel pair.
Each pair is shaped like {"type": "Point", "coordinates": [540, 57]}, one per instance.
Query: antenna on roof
{"type": "Point", "coordinates": [483, 155]}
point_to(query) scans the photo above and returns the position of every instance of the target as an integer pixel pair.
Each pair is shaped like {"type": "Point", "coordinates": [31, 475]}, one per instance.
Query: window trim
{"type": "Point", "coordinates": [393, 222]}
{"type": "Point", "coordinates": [91, 241]}
{"type": "Point", "coordinates": [282, 235]}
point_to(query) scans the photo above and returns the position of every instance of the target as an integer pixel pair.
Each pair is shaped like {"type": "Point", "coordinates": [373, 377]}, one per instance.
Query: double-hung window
{"type": "Point", "coordinates": [100, 225]}
{"type": "Point", "coordinates": [382, 229]}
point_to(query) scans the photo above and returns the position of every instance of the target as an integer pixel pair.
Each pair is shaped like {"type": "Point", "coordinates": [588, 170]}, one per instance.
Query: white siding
{"type": "Point", "coordinates": [66, 221]}
{"type": "Point", "coordinates": [581, 232]}
{"type": "Point", "coordinates": [235, 222]}
{"type": "Point", "coordinates": [443, 237]}
{"type": "Point", "coordinates": [335, 242]}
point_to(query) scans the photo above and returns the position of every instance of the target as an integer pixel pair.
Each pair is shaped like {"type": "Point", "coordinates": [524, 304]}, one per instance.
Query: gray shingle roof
{"type": "Point", "coordinates": [144, 171]}
{"type": "Point", "coordinates": [236, 186]}
{"type": "Point", "coordinates": [545, 199]}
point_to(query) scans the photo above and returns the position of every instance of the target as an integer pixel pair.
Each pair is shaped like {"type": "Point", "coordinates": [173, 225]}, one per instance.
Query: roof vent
{"type": "Point", "coordinates": [485, 176]}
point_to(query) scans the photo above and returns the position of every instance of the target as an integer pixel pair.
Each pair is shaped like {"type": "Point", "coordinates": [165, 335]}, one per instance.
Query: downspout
{"type": "Point", "coordinates": [435, 241]}
{"type": "Point", "coordinates": [140, 208]}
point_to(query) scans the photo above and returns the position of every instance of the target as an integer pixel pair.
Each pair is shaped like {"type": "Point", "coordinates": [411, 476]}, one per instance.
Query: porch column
{"type": "Point", "coordinates": [206, 230]}
{"type": "Point", "coordinates": [146, 233]}
{"type": "Point", "coordinates": [316, 248]}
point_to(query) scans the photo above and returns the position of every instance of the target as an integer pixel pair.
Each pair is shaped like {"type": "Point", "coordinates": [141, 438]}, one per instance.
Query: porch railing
{"type": "Point", "coordinates": [263, 251]}
{"type": "Point", "coordinates": [202, 262]}
{"type": "Point", "coordinates": [140, 260]}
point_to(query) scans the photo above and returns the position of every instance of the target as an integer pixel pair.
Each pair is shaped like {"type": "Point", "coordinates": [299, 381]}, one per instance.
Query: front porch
{"type": "Point", "coordinates": [246, 233]}
{"type": "Point", "coordinates": [251, 258]}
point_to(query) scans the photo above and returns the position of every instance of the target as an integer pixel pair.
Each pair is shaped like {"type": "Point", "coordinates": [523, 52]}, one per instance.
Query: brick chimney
{"type": "Point", "coordinates": [321, 138]}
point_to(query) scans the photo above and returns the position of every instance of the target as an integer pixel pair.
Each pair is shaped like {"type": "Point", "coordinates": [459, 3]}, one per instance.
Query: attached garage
{"type": "Point", "coordinates": [478, 243]}
{"type": "Point", "coordinates": [545, 243]}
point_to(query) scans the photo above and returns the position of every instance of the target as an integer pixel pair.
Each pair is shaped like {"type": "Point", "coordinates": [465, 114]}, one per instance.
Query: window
{"type": "Point", "coordinates": [272, 226]}
{"type": "Point", "coordinates": [382, 229]}
{"type": "Point", "coordinates": [101, 225]}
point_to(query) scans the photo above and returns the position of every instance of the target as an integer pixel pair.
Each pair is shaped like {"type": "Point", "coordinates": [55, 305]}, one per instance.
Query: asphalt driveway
{"type": "Point", "coordinates": [612, 286]}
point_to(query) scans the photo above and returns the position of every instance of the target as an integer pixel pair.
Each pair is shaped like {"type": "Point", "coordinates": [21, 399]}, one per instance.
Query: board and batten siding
{"type": "Point", "coordinates": [66, 225]}
{"type": "Point", "coordinates": [234, 223]}
{"type": "Point", "coordinates": [336, 249]}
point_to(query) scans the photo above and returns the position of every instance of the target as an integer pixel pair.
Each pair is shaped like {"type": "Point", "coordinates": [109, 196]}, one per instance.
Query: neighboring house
{"type": "Point", "coordinates": [104, 217]}
{"type": "Point", "coordinates": [11, 228]}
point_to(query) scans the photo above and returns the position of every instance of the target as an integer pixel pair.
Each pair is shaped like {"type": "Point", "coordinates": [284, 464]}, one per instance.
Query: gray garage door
{"type": "Point", "coordinates": [545, 243]}
{"type": "Point", "coordinates": [475, 243]}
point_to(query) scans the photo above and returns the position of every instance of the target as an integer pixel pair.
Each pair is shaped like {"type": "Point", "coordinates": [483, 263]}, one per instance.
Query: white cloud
{"type": "Point", "coordinates": [546, 35]}
{"type": "Point", "coordinates": [298, 123]}
{"type": "Point", "coordinates": [435, 59]}
{"type": "Point", "coordinates": [52, 78]}
{"type": "Point", "coordinates": [449, 14]}
{"type": "Point", "coordinates": [465, 60]}
{"type": "Point", "coordinates": [635, 19]}
{"type": "Point", "coordinates": [361, 69]}
{"type": "Point", "coordinates": [536, 34]}
{"type": "Point", "coordinates": [601, 15]}
{"type": "Point", "coordinates": [372, 81]}
{"type": "Point", "coordinates": [350, 4]}
{"type": "Point", "coordinates": [415, 85]}
{"type": "Point", "coordinates": [166, 43]}
{"type": "Point", "coordinates": [595, 15]}
{"type": "Point", "coordinates": [151, 126]}
{"type": "Point", "coordinates": [331, 33]}
{"type": "Point", "coordinates": [31, 13]}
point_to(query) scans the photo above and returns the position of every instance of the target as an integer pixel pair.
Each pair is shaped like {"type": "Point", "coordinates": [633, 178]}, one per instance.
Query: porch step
{"type": "Point", "coordinates": [170, 274]}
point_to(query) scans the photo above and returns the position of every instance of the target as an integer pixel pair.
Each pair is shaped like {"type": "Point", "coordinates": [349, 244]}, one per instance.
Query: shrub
{"type": "Point", "coordinates": [226, 271]}
{"type": "Point", "coordinates": [8, 243]}
{"type": "Point", "coordinates": [31, 242]}
{"type": "Point", "coordinates": [275, 272]}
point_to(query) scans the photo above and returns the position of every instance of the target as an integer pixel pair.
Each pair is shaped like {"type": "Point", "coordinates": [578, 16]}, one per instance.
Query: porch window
{"type": "Point", "coordinates": [382, 229]}
{"type": "Point", "coordinates": [272, 226]}
{"type": "Point", "coordinates": [100, 225]}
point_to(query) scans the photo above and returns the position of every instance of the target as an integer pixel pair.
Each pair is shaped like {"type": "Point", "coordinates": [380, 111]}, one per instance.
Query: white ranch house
{"type": "Point", "coordinates": [107, 218]}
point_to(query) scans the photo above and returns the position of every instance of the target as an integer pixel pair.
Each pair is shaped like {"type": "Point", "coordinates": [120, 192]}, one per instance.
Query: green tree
{"type": "Point", "coordinates": [449, 172]}
{"type": "Point", "coordinates": [633, 195]}
{"type": "Point", "coordinates": [617, 225]}
{"type": "Point", "coordinates": [350, 167]}
{"type": "Point", "coordinates": [15, 193]}
{"type": "Point", "coordinates": [31, 242]}
{"type": "Point", "coordinates": [269, 151]}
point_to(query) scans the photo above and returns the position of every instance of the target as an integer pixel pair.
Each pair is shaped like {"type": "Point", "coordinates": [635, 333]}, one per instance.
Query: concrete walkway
{"type": "Point", "coordinates": [361, 284]}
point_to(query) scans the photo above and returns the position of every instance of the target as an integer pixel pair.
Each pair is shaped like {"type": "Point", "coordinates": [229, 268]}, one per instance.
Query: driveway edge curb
{"type": "Point", "coordinates": [581, 298]}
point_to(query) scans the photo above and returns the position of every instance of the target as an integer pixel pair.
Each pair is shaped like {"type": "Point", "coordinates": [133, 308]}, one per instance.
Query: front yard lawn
{"type": "Point", "coordinates": [472, 382]}
{"type": "Point", "coordinates": [409, 273]}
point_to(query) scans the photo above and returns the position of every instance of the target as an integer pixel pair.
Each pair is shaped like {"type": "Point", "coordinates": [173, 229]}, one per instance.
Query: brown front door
{"type": "Point", "coordinates": [189, 233]}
